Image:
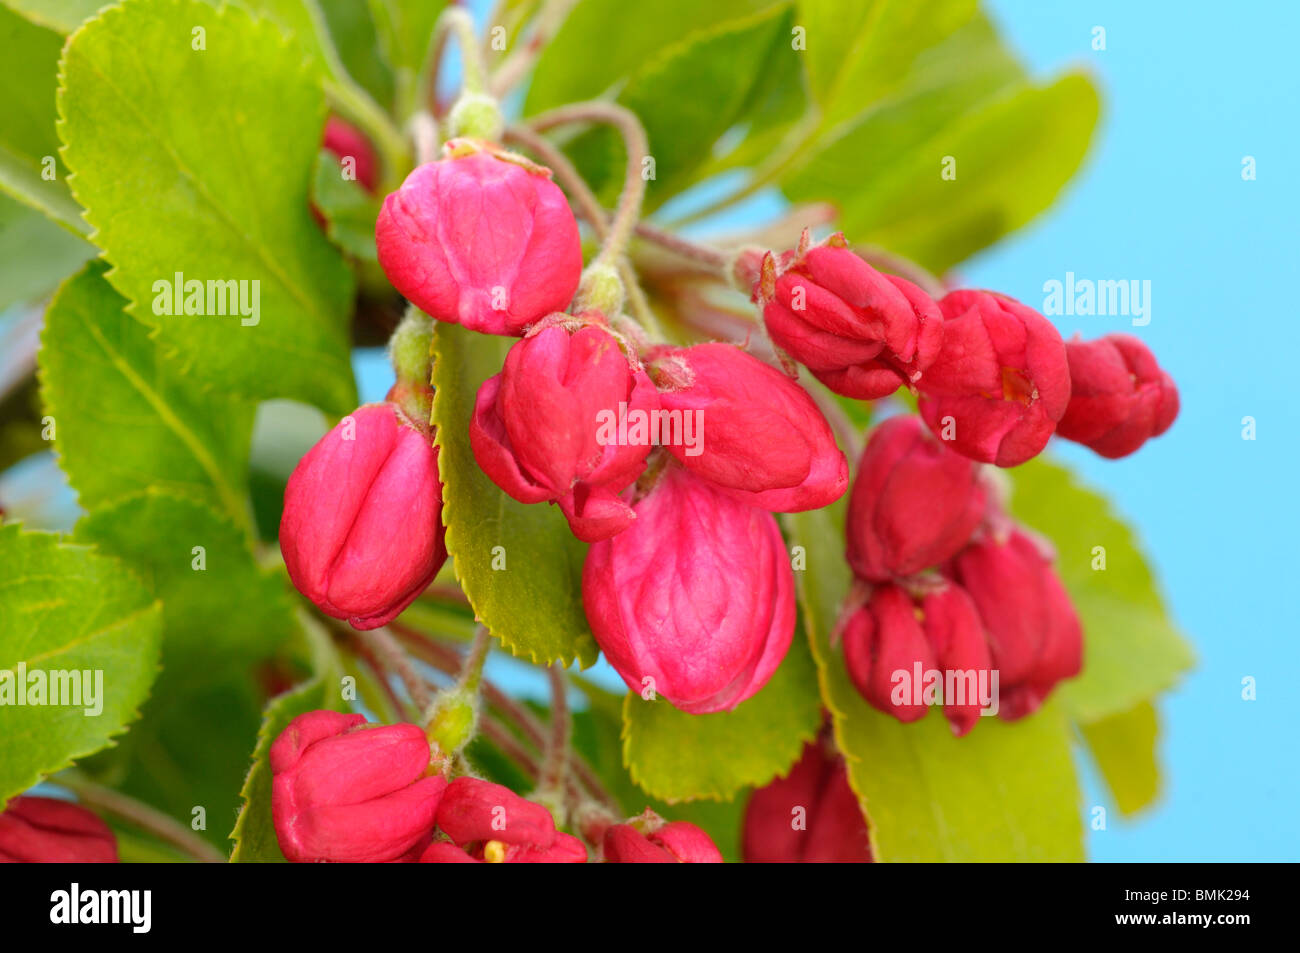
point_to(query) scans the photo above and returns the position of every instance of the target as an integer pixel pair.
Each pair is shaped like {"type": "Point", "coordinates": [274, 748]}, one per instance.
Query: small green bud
{"type": "Point", "coordinates": [476, 116]}
{"type": "Point", "coordinates": [601, 289]}
{"type": "Point", "coordinates": [453, 719]}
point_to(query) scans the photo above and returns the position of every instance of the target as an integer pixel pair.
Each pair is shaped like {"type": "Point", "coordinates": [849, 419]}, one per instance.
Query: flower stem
{"type": "Point", "coordinates": [393, 659]}
{"type": "Point", "coordinates": [458, 22]}
{"type": "Point", "coordinates": [523, 57]}
{"type": "Point", "coordinates": [557, 749]}
{"type": "Point", "coordinates": [140, 815]}
{"type": "Point", "coordinates": [636, 146]}
{"type": "Point", "coordinates": [589, 208]}
{"type": "Point", "coordinates": [446, 659]}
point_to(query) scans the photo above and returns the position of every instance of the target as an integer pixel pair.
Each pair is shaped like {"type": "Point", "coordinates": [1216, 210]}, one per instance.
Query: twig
{"type": "Point", "coordinates": [447, 659]}
{"type": "Point", "coordinates": [141, 815]}
{"type": "Point", "coordinates": [557, 749]}
{"type": "Point", "coordinates": [390, 654]}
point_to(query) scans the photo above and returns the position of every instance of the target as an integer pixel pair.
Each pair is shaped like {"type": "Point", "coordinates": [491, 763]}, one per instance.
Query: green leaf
{"type": "Point", "coordinates": [1124, 747]}
{"type": "Point", "coordinates": [696, 90]}
{"type": "Point", "coordinates": [29, 145]}
{"type": "Point", "coordinates": [534, 604]}
{"type": "Point", "coordinates": [856, 53]}
{"type": "Point", "coordinates": [1012, 154]}
{"type": "Point", "coordinates": [679, 757]}
{"type": "Point", "coordinates": [126, 419]}
{"type": "Point", "coordinates": [178, 756]}
{"type": "Point", "coordinates": [966, 69]}
{"type": "Point", "coordinates": [237, 212]}
{"type": "Point", "coordinates": [254, 833]}
{"type": "Point", "coordinates": [65, 608]}
{"type": "Point", "coordinates": [61, 15]}
{"type": "Point", "coordinates": [404, 30]}
{"type": "Point", "coordinates": [353, 30]}
{"type": "Point", "coordinates": [349, 211]}
{"type": "Point", "coordinates": [36, 254]}
{"type": "Point", "coordinates": [603, 41]}
{"type": "Point", "coordinates": [1003, 792]}
{"type": "Point", "coordinates": [1131, 651]}
{"type": "Point", "coordinates": [157, 534]}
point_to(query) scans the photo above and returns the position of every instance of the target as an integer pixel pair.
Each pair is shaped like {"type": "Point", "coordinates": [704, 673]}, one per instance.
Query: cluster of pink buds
{"type": "Point", "coordinates": [346, 791]}
{"type": "Point", "coordinates": [669, 460]}
{"type": "Point", "coordinates": [954, 602]}
{"type": "Point", "coordinates": [995, 380]}
{"type": "Point", "coordinates": [43, 830]}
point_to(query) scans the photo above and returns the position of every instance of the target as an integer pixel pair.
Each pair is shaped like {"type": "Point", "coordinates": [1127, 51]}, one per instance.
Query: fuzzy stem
{"type": "Point", "coordinates": [447, 659]}
{"type": "Point", "coordinates": [523, 57]}
{"type": "Point", "coordinates": [557, 749]}
{"type": "Point", "coordinates": [589, 208]}
{"type": "Point", "coordinates": [712, 258]}
{"type": "Point", "coordinates": [636, 146]}
{"type": "Point", "coordinates": [424, 133]}
{"type": "Point", "coordinates": [391, 656]}
{"type": "Point", "coordinates": [141, 815]}
{"type": "Point", "coordinates": [458, 22]}
{"type": "Point", "coordinates": [471, 676]}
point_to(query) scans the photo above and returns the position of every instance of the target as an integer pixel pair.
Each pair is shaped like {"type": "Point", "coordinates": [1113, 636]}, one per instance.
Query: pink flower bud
{"type": "Point", "coordinates": [1034, 635]}
{"type": "Point", "coordinates": [362, 532]}
{"type": "Point", "coordinates": [479, 240]}
{"type": "Point", "coordinates": [863, 334]}
{"type": "Point", "coordinates": [914, 503]}
{"type": "Point", "coordinates": [346, 791]}
{"type": "Point", "coordinates": [474, 810]}
{"type": "Point", "coordinates": [1000, 382]}
{"type": "Point", "coordinates": [763, 438]}
{"type": "Point", "coordinates": [956, 635]}
{"type": "Point", "coordinates": [43, 830]}
{"type": "Point", "coordinates": [906, 651]}
{"type": "Point", "coordinates": [696, 599]}
{"type": "Point", "coordinates": [882, 638]}
{"type": "Point", "coordinates": [348, 142]}
{"type": "Point", "coordinates": [811, 816]}
{"type": "Point", "coordinates": [490, 823]}
{"type": "Point", "coordinates": [1119, 396]}
{"type": "Point", "coordinates": [548, 426]}
{"type": "Point", "coordinates": [648, 840]}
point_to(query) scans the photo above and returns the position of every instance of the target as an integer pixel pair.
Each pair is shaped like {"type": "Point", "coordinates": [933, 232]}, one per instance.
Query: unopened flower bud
{"type": "Point", "coordinates": [649, 840]}
{"type": "Point", "coordinates": [914, 503]}
{"type": "Point", "coordinates": [479, 240]}
{"type": "Point", "coordinates": [1000, 382]}
{"type": "Point", "coordinates": [346, 791]}
{"type": "Point", "coordinates": [696, 600]}
{"type": "Point", "coordinates": [761, 437]}
{"type": "Point", "coordinates": [810, 816]}
{"type": "Point", "coordinates": [44, 830]}
{"type": "Point", "coordinates": [1119, 396]}
{"type": "Point", "coordinates": [861, 333]}
{"type": "Point", "coordinates": [554, 426]}
{"type": "Point", "coordinates": [362, 531]}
